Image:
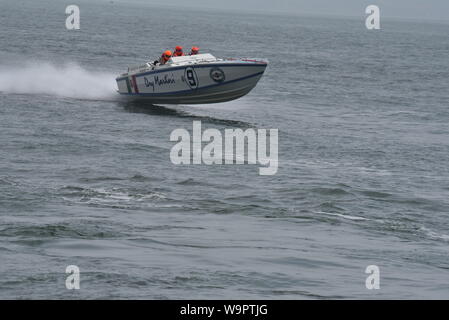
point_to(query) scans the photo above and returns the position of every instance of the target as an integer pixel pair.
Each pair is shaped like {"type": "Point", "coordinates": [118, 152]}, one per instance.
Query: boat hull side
{"type": "Point", "coordinates": [193, 84]}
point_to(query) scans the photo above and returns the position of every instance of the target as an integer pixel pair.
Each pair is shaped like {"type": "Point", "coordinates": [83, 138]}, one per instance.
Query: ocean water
{"type": "Point", "coordinates": [86, 178]}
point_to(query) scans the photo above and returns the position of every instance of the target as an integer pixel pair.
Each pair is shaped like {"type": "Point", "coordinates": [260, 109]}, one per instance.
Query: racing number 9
{"type": "Point", "coordinates": [191, 77]}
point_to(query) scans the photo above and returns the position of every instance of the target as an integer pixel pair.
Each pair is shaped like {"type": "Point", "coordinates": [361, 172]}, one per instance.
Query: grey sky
{"type": "Point", "coordinates": [409, 9]}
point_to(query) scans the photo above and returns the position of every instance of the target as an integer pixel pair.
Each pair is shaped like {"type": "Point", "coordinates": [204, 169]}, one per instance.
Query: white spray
{"type": "Point", "coordinates": [69, 80]}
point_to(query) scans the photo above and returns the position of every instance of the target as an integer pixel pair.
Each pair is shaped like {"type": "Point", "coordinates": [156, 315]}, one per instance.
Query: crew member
{"type": "Point", "coordinates": [165, 57]}
{"type": "Point", "coordinates": [194, 51]}
{"type": "Point", "coordinates": [178, 52]}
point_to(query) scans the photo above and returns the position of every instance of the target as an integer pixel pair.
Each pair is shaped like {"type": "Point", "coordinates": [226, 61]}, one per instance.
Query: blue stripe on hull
{"type": "Point", "coordinates": [205, 98]}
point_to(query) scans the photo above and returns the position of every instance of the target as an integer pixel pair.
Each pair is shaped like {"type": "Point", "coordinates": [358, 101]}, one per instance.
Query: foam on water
{"type": "Point", "coordinates": [68, 80]}
{"type": "Point", "coordinates": [345, 216]}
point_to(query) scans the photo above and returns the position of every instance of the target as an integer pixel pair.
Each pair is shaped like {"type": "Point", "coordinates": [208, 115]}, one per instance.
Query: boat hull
{"type": "Point", "coordinates": [194, 84]}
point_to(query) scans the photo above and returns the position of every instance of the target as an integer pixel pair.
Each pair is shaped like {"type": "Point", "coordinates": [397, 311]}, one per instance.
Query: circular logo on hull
{"type": "Point", "coordinates": [217, 75]}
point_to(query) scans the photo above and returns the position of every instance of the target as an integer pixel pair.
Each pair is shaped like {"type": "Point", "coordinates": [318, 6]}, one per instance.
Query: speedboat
{"type": "Point", "coordinates": [195, 79]}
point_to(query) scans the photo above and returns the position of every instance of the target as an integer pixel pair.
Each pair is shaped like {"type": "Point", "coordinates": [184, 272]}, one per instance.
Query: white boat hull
{"type": "Point", "coordinates": [194, 84]}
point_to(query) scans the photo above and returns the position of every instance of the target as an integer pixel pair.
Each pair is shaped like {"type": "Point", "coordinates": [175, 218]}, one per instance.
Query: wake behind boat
{"type": "Point", "coordinates": [195, 79]}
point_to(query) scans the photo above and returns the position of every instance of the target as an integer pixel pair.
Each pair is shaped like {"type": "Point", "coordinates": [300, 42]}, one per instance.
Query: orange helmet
{"type": "Point", "coordinates": [167, 55]}
{"type": "Point", "coordinates": [195, 50]}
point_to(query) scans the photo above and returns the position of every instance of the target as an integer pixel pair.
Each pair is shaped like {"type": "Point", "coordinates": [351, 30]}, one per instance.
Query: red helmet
{"type": "Point", "coordinates": [167, 55]}
{"type": "Point", "coordinates": [195, 50]}
{"type": "Point", "coordinates": [178, 51]}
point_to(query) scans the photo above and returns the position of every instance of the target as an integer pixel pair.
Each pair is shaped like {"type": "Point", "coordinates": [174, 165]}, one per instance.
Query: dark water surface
{"type": "Point", "coordinates": [86, 178]}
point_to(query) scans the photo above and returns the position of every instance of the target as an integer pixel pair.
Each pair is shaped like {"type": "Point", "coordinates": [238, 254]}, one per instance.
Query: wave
{"type": "Point", "coordinates": [68, 80]}
{"type": "Point", "coordinates": [112, 197]}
